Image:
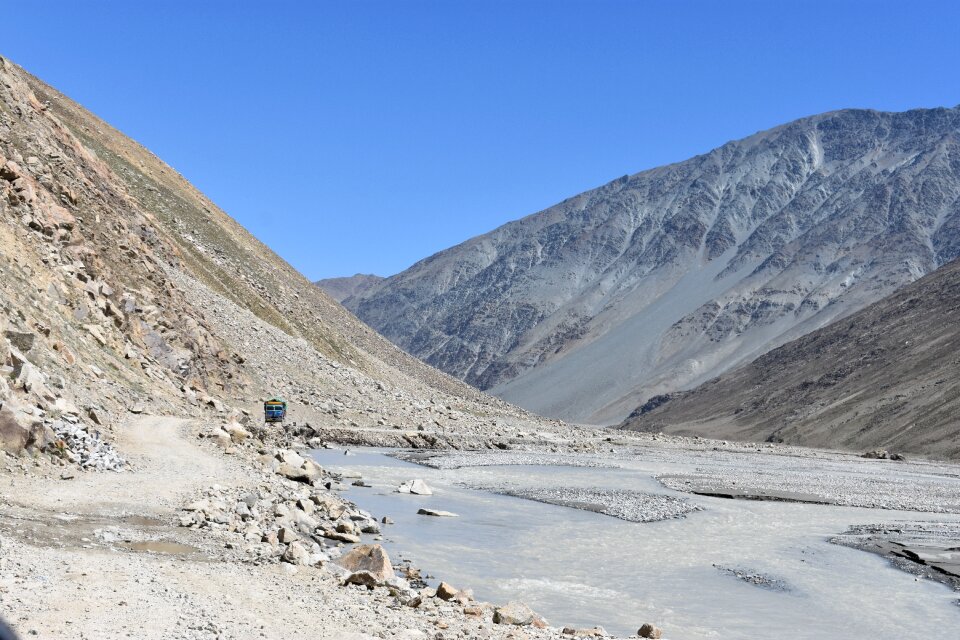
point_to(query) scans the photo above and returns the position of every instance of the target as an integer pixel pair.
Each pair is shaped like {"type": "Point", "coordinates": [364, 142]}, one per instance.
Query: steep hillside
{"type": "Point", "coordinates": [123, 287]}
{"type": "Point", "coordinates": [664, 279]}
{"type": "Point", "coordinates": [342, 288]}
{"type": "Point", "coordinates": [885, 377]}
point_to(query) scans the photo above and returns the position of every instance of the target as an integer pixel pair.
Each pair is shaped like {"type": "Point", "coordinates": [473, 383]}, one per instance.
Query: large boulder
{"type": "Point", "coordinates": [291, 458]}
{"type": "Point", "coordinates": [296, 554]}
{"type": "Point", "coordinates": [331, 534]}
{"type": "Point", "coordinates": [222, 438]}
{"type": "Point", "coordinates": [52, 216]}
{"type": "Point", "coordinates": [368, 557]}
{"type": "Point", "coordinates": [649, 631]}
{"type": "Point", "coordinates": [236, 431]}
{"type": "Point", "coordinates": [19, 433]}
{"type": "Point", "coordinates": [32, 380]}
{"type": "Point", "coordinates": [307, 472]}
{"type": "Point", "coordinates": [446, 591]}
{"type": "Point", "coordinates": [312, 470]}
{"type": "Point", "coordinates": [517, 613]}
{"type": "Point", "coordinates": [364, 578]}
{"type": "Point", "coordinates": [289, 471]}
{"type": "Point", "coordinates": [416, 487]}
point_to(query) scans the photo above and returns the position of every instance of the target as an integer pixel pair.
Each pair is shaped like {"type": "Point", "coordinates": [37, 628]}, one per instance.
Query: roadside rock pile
{"type": "Point", "coordinates": [293, 522]}
{"type": "Point", "coordinates": [87, 449]}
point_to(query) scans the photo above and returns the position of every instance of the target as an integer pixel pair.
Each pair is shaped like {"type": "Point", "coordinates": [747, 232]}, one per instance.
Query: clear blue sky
{"type": "Point", "coordinates": [363, 136]}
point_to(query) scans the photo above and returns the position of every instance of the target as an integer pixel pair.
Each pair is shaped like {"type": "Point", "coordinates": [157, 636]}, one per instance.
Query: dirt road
{"type": "Point", "coordinates": [100, 556]}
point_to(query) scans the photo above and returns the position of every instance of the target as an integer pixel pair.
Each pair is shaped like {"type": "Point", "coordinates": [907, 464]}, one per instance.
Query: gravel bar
{"type": "Point", "coordinates": [859, 485]}
{"type": "Point", "coordinates": [633, 506]}
{"type": "Point", "coordinates": [460, 459]}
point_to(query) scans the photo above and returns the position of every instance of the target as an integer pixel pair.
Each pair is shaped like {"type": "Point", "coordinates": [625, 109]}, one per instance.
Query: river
{"type": "Point", "coordinates": [582, 568]}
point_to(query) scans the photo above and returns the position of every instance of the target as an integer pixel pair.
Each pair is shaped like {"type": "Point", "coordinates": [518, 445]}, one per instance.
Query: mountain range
{"type": "Point", "coordinates": [661, 280]}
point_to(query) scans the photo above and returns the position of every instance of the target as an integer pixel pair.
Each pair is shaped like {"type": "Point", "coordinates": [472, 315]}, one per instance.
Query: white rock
{"type": "Point", "coordinates": [417, 487]}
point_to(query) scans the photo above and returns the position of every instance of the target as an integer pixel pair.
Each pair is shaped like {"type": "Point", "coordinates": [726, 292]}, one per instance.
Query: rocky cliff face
{"type": "Point", "coordinates": [123, 289]}
{"type": "Point", "coordinates": [886, 377]}
{"type": "Point", "coordinates": [663, 279]}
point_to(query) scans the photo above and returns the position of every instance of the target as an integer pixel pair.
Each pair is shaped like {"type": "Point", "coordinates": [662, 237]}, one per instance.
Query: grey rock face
{"type": "Point", "coordinates": [666, 278]}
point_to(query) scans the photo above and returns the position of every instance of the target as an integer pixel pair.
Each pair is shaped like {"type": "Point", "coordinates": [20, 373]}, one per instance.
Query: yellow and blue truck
{"type": "Point", "coordinates": [275, 410]}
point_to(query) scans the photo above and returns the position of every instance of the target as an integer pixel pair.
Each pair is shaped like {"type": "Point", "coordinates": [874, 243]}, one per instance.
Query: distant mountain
{"type": "Point", "coordinates": [887, 376]}
{"type": "Point", "coordinates": [661, 280]}
{"type": "Point", "coordinates": [342, 288]}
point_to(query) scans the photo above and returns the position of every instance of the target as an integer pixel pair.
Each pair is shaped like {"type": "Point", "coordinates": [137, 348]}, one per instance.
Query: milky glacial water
{"type": "Point", "coordinates": [581, 568]}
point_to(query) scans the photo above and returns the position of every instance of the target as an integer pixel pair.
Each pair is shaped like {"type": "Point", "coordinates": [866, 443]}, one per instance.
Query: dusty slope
{"type": "Point", "coordinates": [663, 279]}
{"type": "Point", "coordinates": [124, 290]}
{"type": "Point", "coordinates": [133, 288]}
{"type": "Point", "coordinates": [342, 288]}
{"type": "Point", "coordinates": [887, 376]}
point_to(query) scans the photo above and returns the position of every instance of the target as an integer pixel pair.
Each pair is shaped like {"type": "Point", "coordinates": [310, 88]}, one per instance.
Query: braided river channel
{"type": "Point", "coordinates": [724, 568]}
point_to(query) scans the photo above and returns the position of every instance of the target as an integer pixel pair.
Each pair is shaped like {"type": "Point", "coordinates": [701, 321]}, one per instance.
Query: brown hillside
{"type": "Point", "coordinates": [888, 376]}
{"type": "Point", "coordinates": [133, 288]}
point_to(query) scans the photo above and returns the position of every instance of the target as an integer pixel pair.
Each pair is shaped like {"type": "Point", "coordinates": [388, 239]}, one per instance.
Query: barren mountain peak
{"type": "Point", "coordinates": [657, 281]}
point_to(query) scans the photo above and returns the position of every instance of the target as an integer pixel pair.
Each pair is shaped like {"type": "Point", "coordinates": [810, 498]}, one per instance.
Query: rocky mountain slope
{"type": "Point", "coordinates": [123, 288]}
{"type": "Point", "coordinates": [342, 288]}
{"type": "Point", "coordinates": [664, 279]}
{"type": "Point", "coordinates": [885, 377]}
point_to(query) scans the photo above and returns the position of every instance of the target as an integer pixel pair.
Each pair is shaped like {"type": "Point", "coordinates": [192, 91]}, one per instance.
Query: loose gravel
{"type": "Point", "coordinates": [855, 482]}
{"type": "Point", "coordinates": [633, 506]}
{"type": "Point", "coordinates": [460, 459]}
{"type": "Point", "coordinates": [86, 448]}
{"type": "Point", "coordinates": [755, 578]}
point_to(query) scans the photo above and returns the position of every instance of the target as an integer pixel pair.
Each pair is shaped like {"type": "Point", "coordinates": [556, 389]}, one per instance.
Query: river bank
{"type": "Point", "coordinates": [105, 555]}
{"type": "Point", "coordinates": [111, 555]}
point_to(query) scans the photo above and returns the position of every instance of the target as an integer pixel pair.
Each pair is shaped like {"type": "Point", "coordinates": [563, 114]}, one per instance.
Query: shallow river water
{"type": "Point", "coordinates": [582, 568]}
